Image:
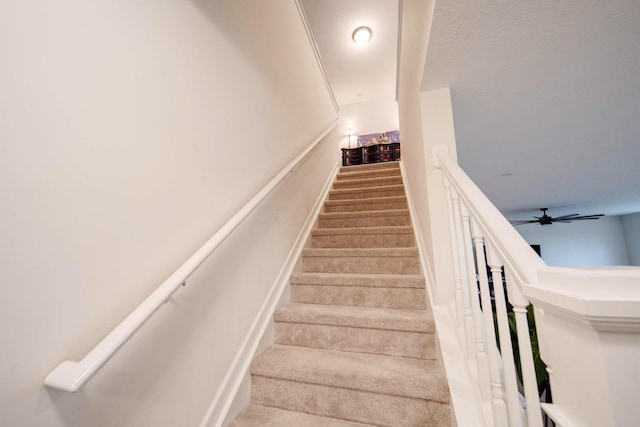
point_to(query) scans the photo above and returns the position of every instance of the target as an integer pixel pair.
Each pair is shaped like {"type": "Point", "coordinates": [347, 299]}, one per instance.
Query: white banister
{"type": "Point", "coordinates": [469, 328]}
{"type": "Point", "coordinates": [506, 347]}
{"type": "Point", "coordinates": [587, 320]}
{"type": "Point", "coordinates": [512, 247]}
{"type": "Point", "coordinates": [520, 309]}
{"type": "Point", "coordinates": [491, 232]}
{"type": "Point", "coordinates": [454, 256]}
{"type": "Point", "coordinates": [482, 363]}
{"type": "Point", "coordinates": [497, 391]}
{"type": "Point", "coordinates": [71, 375]}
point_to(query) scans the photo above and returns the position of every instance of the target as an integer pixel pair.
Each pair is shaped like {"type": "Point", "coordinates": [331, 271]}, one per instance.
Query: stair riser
{"type": "Point", "coordinates": [366, 206]}
{"type": "Point", "coordinates": [374, 265]}
{"type": "Point", "coordinates": [372, 221]}
{"type": "Point", "coordinates": [373, 341]}
{"type": "Point", "coordinates": [348, 404]}
{"type": "Point", "coordinates": [403, 298]}
{"type": "Point", "coordinates": [366, 280]}
{"type": "Point", "coordinates": [371, 167]}
{"type": "Point", "coordinates": [348, 184]}
{"type": "Point", "coordinates": [394, 240]}
{"type": "Point", "coordinates": [367, 175]}
{"type": "Point", "coordinates": [268, 416]}
{"type": "Point", "coordinates": [362, 194]}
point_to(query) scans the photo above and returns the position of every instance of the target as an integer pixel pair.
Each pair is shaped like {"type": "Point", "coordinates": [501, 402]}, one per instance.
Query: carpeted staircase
{"type": "Point", "coordinates": [356, 345]}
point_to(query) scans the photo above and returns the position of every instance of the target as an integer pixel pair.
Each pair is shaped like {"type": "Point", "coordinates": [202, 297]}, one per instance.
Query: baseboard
{"type": "Point", "coordinates": [219, 407]}
{"type": "Point", "coordinates": [465, 402]}
{"type": "Point", "coordinates": [417, 231]}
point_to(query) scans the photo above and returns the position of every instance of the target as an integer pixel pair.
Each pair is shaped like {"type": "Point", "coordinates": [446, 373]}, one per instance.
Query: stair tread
{"type": "Point", "coordinates": [370, 167]}
{"type": "Point", "coordinates": [360, 214]}
{"type": "Point", "coordinates": [361, 252]}
{"type": "Point", "coordinates": [343, 350]}
{"type": "Point", "coordinates": [346, 173]}
{"type": "Point", "coordinates": [367, 189]}
{"type": "Point", "coordinates": [399, 376]}
{"type": "Point", "coordinates": [395, 229]}
{"type": "Point", "coordinates": [366, 200]}
{"type": "Point", "coordinates": [266, 416]}
{"type": "Point", "coordinates": [360, 279]}
{"type": "Point", "coordinates": [345, 182]}
{"type": "Point", "coordinates": [357, 317]}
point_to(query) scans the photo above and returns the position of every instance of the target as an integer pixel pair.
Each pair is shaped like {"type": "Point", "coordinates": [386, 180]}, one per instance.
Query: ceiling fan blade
{"type": "Point", "coordinates": [545, 220]}
{"type": "Point", "coordinates": [564, 217]}
{"type": "Point", "coordinates": [523, 221]}
{"type": "Point", "coordinates": [579, 218]}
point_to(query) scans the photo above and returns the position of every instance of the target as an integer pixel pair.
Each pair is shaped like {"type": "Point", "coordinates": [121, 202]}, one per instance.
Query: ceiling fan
{"type": "Point", "coordinates": [547, 220]}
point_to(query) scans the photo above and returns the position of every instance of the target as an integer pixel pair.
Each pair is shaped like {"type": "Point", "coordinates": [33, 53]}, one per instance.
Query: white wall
{"type": "Point", "coordinates": [438, 130]}
{"type": "Point", "coordinates": [416, 23]}
{"type": "Point", "coordinates": [425, 120]}
{"type": "Point", "coordinates": [380, 115]}
{"type": "Point", "coordinates": [631, 228]}
{"type": "Point", "coordinates": [580, 243]}
{"type": "Point", "coordinates": [130, 132]}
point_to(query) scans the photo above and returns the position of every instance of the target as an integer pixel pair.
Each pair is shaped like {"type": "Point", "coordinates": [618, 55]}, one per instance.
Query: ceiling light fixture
{"type": "Point", "coordinates": [362, 35]}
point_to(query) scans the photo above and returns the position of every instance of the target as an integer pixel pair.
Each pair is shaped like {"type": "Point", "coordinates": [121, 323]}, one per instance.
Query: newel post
{"type": "Point", "coordinates": [590, 338]}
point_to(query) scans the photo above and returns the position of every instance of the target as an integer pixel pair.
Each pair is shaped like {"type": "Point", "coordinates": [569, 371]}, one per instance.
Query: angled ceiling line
{"type": "Point", "coordinates": [316, 52]}
{"type": "Point", "coordinates": [399, 49]}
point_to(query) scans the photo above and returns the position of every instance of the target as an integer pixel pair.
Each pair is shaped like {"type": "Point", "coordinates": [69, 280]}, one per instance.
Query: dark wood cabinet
{"type": "Point", "coordinates": [351, 156]}
{"type": "Point", "coordinates": [376, 153]}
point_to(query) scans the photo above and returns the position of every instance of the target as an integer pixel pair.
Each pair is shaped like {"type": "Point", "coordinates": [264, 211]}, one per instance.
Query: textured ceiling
{"type": "Point", "coordinates": [351, 69]}
{"type": "Point", "coordinates": [547, 93]}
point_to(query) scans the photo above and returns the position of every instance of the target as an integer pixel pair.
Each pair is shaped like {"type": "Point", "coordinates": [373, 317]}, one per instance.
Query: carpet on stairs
{"type": "Point", "coordinates": [356, 344]}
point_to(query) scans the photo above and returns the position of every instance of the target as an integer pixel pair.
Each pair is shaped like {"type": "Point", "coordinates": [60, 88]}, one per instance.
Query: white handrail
{"type": "Point", "coordinates": [511, 245]}
{"type": "Point", "coordinates": [587, 319]}
{"type": "Point", "coordinates": [506, 252]}
{"type": "Point", "coordinates": [71, 375]}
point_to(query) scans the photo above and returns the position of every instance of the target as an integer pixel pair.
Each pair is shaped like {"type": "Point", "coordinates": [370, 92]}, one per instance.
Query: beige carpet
{"type": "Point", "coordinates": [356, 345]}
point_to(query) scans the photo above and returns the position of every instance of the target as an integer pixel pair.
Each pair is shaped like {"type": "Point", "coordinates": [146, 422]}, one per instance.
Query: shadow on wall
{"type": "Point", "coordinates": [631, 227]}
{"type": "Point", "coordinates": [229, 19]}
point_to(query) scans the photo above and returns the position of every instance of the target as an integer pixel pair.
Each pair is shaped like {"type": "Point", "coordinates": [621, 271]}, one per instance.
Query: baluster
{"type": "Point", "coordinates": [482, 363]}
{"type": "Point", "coordinates": [529, 378]}
{"type": "Point", "coordinates": [506, 346]}
{"type": "Point", "coordinates": [469, 328]}
{"type": "Point", "coordinates": [500, 417]}
{"type": "Point", "coordinates": [454, 253]}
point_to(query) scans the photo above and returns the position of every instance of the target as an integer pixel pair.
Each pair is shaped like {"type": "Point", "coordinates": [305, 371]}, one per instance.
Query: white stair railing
{"type": "Point", "coordinates": [71, 375]}
{"type": "Point", "coordinates": [496, 271]}
{"type": "Point", "coordinates": [484, 240]}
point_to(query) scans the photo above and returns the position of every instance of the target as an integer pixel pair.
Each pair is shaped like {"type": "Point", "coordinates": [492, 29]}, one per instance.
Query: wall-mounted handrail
{"type": "Point", "coordinates": [71, 375]}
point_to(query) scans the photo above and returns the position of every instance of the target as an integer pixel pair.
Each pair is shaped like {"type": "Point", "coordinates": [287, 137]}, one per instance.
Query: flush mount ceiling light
{"type": "Point", "coordinates": [361, 35]}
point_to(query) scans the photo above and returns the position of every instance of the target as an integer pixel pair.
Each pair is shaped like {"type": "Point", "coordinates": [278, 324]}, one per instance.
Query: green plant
{"type": "Point", "coordinates": [542, 376]}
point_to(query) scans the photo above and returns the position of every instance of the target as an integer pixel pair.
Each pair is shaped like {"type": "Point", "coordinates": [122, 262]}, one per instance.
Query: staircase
{"type": "Point", "coordinates": [356, 345]}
